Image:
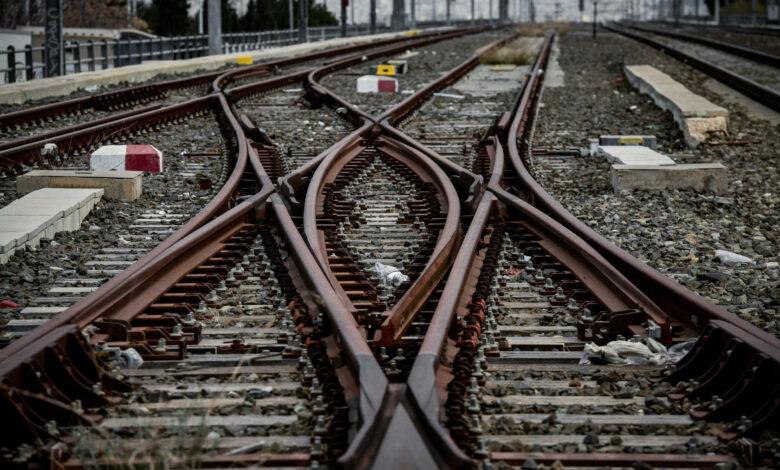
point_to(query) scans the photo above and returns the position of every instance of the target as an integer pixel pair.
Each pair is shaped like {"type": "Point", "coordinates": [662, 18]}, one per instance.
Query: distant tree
{"type": "Point", "coordinates": [263, 15]}
{"type": "Point", "coordinates": [319, 15]}
{"type": "Point", "coordinates": [230, 20]}
{"type": "Point", "coordinates": [111, 14]}
{"type": "Point", "coordinates": [167, 17]}
{"type": "Point", "coordinates": [11, 14]}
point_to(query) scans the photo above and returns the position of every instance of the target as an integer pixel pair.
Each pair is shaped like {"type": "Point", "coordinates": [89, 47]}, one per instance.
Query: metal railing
{"type": "Point", "coordinates": [28, 63]}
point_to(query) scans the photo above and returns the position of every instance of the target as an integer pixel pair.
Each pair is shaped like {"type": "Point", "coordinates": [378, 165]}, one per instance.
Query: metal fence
{"type": "Point", "coordinates": [28, 63]}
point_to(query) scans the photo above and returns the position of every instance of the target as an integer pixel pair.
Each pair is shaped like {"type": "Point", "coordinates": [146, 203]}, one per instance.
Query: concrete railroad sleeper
{"type": "Point", "coordinates": [388, 367]}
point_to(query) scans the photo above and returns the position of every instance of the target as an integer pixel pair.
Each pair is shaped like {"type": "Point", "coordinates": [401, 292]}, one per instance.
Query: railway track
{"type": "Point", "coordinates": [755, 80]}
{"type": "Point", "coordinates": [185, 191]}
{"type": "Point", "coordinates": [269, 337]}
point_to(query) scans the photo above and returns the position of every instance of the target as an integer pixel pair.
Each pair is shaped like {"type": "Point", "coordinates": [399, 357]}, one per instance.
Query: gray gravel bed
{"type": "Point", "coordinates": [299, 133]}
{"type": "Point", "coordinates": [58, 122]}
{"type": "Point", "coordinates": [431, 63]}
{"type": "Point", "coordinates": [597, 437]}
{"type": "Point", "coordinates": [676, 232]}
{"type": "Point", "coordinates": [89, 91]}
{"type": "Point", "coordinates": [467, 119]}
{"type": "Point", "coordinates": [30, 274]}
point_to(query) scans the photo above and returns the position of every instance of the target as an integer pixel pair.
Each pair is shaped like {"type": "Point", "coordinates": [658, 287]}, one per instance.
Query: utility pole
{"type": "Point", "coordinates": [490, 14]}
{"type": "Point", "coordinates": [595, 13]}
{"type": "Point", "coordinates": [502, 6]}
{"type": "Point", "coordinates": [433, 9]}
{"type": "Point", "coordinates": [352, 5]}
{"type": "Point", "coordinates": [200, 19]}
{"type": "Point", "coordinates": [448, 10]}
{"type": "Point", "coordinates": [215, 27]}
{"type": "Point", "coordinates": [753, 12]}
{"type": "Point", "coordinates": [414, 14]}
{"type": "Point", "coordinates": [373, 16]}
{"type": "Point", "coordinates": [303, 20]}
{"type": "Point", "coordinates": [717, 12]}
{"type": "Point", "coordinates": [473, 19]}
{"type": "Point", "coordinates": [344, 4]}
{"type": "Point", "coordinates": [290, 11]}
{"type": "Point", "coordinates": [397, 20]}
{"type": "Point", "coordinates": [27, 12]}
{"type": "Point", "coordinates": [52, 30]}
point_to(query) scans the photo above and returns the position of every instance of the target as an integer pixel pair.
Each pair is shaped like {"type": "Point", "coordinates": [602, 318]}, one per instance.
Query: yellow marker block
{"type": "Point", "coordinates": [631, 140]}
{"type": "Point", "coordinates": [503, 68]}
{"type": "Point", "coordinates": [413, 32]}
{"type": "Point", "coordinates": [385, 69]}
{"type": "Point", "coordinates": [244, 60]}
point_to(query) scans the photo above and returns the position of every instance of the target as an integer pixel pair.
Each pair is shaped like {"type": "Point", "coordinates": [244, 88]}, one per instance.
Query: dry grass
{"type": "Point", "coordinates": [541, 29]}
{"type": "Point", "coordinates": [521, 51]}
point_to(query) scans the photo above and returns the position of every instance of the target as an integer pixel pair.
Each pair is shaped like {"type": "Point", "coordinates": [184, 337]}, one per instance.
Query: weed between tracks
{"type": "Point", "coordinates": [521, 51]}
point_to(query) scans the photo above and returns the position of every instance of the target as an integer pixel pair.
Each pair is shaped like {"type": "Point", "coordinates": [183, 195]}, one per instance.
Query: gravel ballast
{"type": "Point", "coordinates": [430, 63]}
{"type": "Point", "coordinates": [676, 232]}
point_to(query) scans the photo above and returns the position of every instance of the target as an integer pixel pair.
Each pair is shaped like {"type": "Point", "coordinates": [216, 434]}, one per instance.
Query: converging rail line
{"type": "Point", "coordinates": [365, 300]}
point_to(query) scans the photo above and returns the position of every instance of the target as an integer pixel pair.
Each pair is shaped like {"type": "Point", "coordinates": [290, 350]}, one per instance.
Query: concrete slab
{"type": "Point", "coordinates": [634, 155]}
{"type": "Point", "coordinates": [42, 311]}
{"type": "Point", "coordinates": [696, 116]}
{"type": "Point", "coordinates": [43, 213]}
{"type": "Point", "coordinates": [17, 93]}
{"type": "Point", "coordinates": [646, 140]}
{"type": "Point", "coordinates": [702, 177]}
{"type": "Point", "coordinates": [30, 224]}
{"type": "Point", "coordinates": [125, 185]}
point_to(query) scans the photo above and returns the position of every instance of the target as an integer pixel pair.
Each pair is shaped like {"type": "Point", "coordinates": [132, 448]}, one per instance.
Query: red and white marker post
{"type": "Point", "coordinates": [127, 157]}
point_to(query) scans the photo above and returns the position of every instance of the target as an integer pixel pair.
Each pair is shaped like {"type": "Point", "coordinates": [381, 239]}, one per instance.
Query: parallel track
{"type": "Point", "coordinates": [764, 95]}
{"type": "Point", "coordinates": [501, 279]}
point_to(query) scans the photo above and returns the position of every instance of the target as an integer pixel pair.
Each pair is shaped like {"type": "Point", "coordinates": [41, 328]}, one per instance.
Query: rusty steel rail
{"type": "Point", "coordinates": [58, 345]}
{"type": "Point", "coordinates": [82, 138]}
{"type": "Point", "coordinates": [745, 52]}
{"type": "Point", "coordinates": [405, 311]}
{"type": "Point", "coordinates": [403, 109]}
{"type": "Point", "coordinates": [87, 137]}
{"type": "Point", "coordinates": [26, 151]}
{"type": "Point", "coordinates": [46, 137]}
{"type": "Point", "coordinates": [371, 381]}
{"type": "Point", "coordinates": [105, 101]}
{"type": "Point", "coordinates": [386, 417]}
{"type": "Point", "coordinates": [674, 300]}
{"type": "Point", "coordinates": [317, 95]}
{"type": "Point", "coordinates": [224, 80]}
{"type": "Point", "coordinates": [758, 92]}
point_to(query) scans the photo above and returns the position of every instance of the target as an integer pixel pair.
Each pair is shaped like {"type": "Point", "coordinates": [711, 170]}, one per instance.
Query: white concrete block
{"type": "Point", "coordinates": [634, 155]}
{"type": "Point", "coordinates": [41, 214]}
{"type": "Point", "coordinates": [696, 116]}
{"type": "Point", "coordinates": [127, 158]}
{"type": "Point", "coordinates": [376, 84]}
